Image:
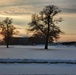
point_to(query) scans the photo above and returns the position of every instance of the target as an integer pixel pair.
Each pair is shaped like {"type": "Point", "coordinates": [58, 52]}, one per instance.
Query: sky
{"type": "Point", "coordinates": [21, 10]}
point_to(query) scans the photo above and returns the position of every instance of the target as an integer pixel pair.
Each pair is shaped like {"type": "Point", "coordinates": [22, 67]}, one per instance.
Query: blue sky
{"type": "Point", "coordinates": [21, 11]}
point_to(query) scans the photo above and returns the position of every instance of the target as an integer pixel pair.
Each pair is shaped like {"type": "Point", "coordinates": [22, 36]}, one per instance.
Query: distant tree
{"type": "Point", "coordinates": [43, 24]}
{"type": "Point", "coordinates": [7, 30]}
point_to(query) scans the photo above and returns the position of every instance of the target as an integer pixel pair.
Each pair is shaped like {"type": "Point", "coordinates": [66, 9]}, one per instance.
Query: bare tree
{"type": "Point", "coordinates": [7, 30]}
{"type": "Point", "coordinates": [45, 24]}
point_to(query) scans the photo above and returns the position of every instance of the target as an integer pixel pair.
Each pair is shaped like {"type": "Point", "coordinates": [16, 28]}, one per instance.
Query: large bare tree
{"type": "Point", "coordinates": [44, 24]}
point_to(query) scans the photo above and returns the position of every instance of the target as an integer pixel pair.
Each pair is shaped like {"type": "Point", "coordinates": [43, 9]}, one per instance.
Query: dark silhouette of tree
{"type": "Point", "coordinates": [7, 30]}
{"type": "Point", "coordinates": [43, 24]}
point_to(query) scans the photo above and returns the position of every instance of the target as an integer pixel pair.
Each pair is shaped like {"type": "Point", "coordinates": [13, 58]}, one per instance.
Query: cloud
{"type": "Point", "coordinates": [17, 7]}
{"type": "Point", "coordinates": [17, 10]}
{"type": "Point", "coordinates": [69, 2]}
{"type": "Point", "coordinates": [21, 20]}
{"type": "Point", "coordinates": [68, 8]}
{"type": "Point", "coordinates": [4, 3]}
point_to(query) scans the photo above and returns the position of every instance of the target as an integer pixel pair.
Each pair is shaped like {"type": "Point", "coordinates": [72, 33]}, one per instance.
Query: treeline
{"type": "Point", "coordinates": [72, 43]}
{"type": "Point", "coordinates": [35, 41]}
{"type": "Point", "coordinates": [25, 41]}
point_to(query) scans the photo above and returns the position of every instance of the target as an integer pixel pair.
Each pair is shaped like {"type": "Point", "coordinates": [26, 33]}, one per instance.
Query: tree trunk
{"type": "Point", "coordinates": [47, 36]}
{"type": "Point", "coordinates": [7, 40]}
{"type": "Point", "coordinates": [7, 45]}
{"type": "Point", "coordinates": [46, 43]}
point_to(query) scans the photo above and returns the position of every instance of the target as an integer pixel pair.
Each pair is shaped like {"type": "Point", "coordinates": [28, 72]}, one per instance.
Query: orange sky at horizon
{"type": "Point", "coordinates": [1, 37]}
{"type": "Point", "coordinates": [63, 38]}
{"type": "Point", "coordinates": [67, 38]}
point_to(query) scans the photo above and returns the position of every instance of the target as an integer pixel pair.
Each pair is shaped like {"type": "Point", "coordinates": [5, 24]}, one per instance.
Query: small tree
{"type": "Point", "coordinates": [44, 24]}
{"type": "Point", "coordinates": [7, 30]}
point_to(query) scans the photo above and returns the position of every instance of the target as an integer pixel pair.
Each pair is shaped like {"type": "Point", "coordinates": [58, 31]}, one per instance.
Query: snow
{"type": "Point", "coordinates": [36, 61]}
{"type": "Point", "coordinates": [37, 54]}
{"type": "Point", "coordinates": [37, 69]}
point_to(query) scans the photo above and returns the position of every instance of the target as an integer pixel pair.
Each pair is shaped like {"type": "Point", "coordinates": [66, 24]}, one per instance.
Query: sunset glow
{"type": "Point", "coordinates": [21, 10]}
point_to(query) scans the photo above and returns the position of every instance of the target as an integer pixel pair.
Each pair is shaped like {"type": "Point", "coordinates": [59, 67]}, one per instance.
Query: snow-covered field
{"type": "Point", "coordinates": [38, 52]}
{"type": "Point", "coordinates": [37, 69]}
{"type": "Point", "coordinates": [63, 53]}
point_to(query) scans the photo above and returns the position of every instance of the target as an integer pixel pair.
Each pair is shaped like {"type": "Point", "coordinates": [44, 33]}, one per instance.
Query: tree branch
{"type": "Point", "coordinates": [41, 29]}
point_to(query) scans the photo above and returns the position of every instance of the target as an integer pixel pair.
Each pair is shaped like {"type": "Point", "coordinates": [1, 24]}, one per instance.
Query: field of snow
{"type": "Point", "coordinates": [37, 53]}
{"type": "Point", "coordinates": [37, 69]}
